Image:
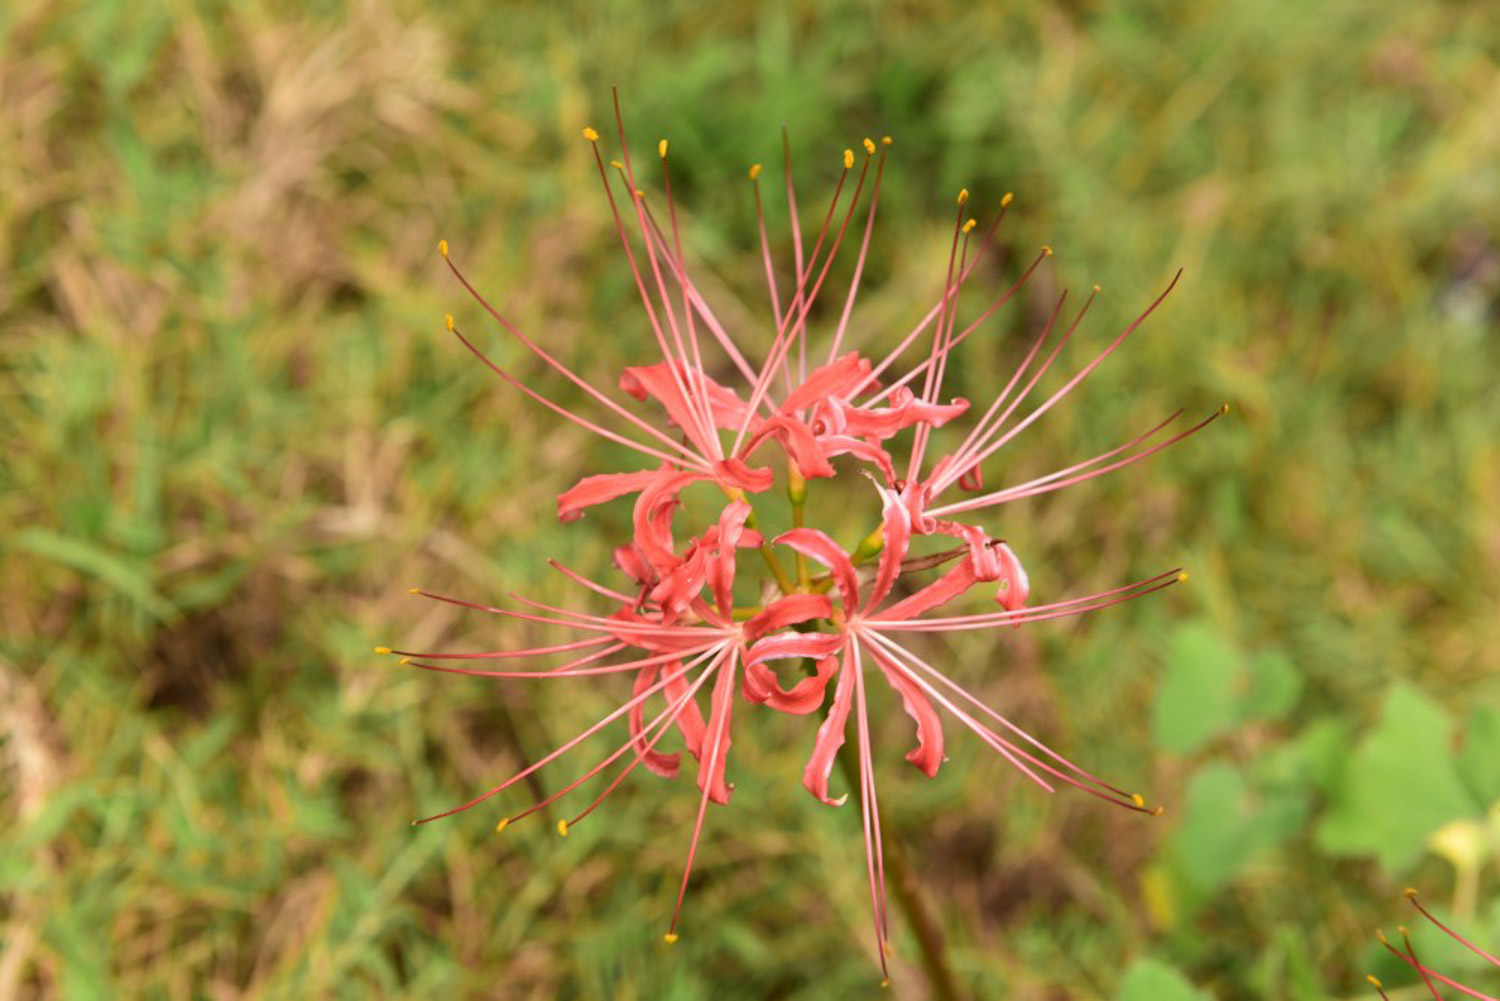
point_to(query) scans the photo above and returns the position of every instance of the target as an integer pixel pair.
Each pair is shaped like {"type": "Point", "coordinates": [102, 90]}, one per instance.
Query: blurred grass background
{"type": "Point", "coordinates": [235, 434]}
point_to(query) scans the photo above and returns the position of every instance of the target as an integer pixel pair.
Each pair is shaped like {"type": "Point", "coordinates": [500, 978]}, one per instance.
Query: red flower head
{"type": "Point", "coordinates": [674, 624]}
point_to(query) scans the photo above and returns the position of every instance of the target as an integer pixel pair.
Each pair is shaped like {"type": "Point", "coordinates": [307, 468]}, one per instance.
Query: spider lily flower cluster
{"type": "Point", "coordinates": [1432, 979]}
{"type": "Point", "coordinates": [708, 616]}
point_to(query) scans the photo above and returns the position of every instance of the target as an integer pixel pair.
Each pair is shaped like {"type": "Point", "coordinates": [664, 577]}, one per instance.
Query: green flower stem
{"type": "Point", "coordinates": [796, 492]}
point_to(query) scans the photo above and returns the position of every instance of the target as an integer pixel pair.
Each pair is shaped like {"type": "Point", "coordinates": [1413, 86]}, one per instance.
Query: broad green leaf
{"type": "Point", "coordinates": [1197, 698]}
{"type": "Point", "coordinates": [1400, 787]}
{"type": "Point", "coordinates": [1154, 980]}
{"type": "Point", "coordinates": [1479, 761]}
{"type": "Point", "coordinates": [1275, 684]}
{"type": "Point", "coordinates": [1226, 824]}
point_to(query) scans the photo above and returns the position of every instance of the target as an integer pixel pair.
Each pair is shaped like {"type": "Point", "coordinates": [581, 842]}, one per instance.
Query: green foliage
{"type": "Point", "coordinates": [1198, 695]}
{"type": "Point", "coordinates": [1404, 760]}
{"type": "Point", "coordinates": [235, 435]}
{"type": "Point", "coordinates": [1153, 980]}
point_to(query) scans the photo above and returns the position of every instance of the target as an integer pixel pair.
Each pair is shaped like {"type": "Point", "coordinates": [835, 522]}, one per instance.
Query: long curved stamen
{"type": "Point", "coordinates": [1038, 613]}
{"type": "Point", "coordinates": [687, 455]}
{"type": "Point", "coordinates": [869, 804]}
{"type": "Point", "coordinates": [1074, 776]}
{"type": "Point", "coordinates": [781, 344]}
{"type": "Point", "coordinates": [661, 724]}
{"type": "Point", "coordinates": [864, 249]}
{"type": "Point", "coordinates": [978, 445]}
{"type": "Point", "coordinates": [895, 649]}
{"type": "Point", "coordinates": [699, 305]}
{"type": "Point", "coordinates": [674, 363]}
{"type": "Point", "coordinates": [680, 268]}
{"type": "Point", "coordinates": [1082, 374]}
{"type": "Point", "coordinates": [932, 314]}
{"type": "Point", "coordinates": [722, 701]}
{"type": "Point", "coordinates": [575, 669]}
{"type": "Point", "coordinates": [933, 381]}
{"type": "Point", "coordinates": [704, 430]}
{"type": "Point", "coordinates": [1411, 895]}
{"type": "Point", "coordinates": [540, 651]}
{"type": "Point", "coordinates": [765, 247]}
{"type": "Point", "coordinates": [554, 755]}
{"type": "Point", "coordinates": [1063, 478]}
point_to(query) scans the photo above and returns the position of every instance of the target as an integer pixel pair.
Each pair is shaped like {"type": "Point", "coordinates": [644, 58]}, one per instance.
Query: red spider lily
{"type": "Point", "coordinates": [863, 636]}
{"type": "Point", "coordinates": [680, 659]}
{"type": "Point", "coordinates": [1430, 977]}
{"type": "Point", "coordinates": [676, 628]}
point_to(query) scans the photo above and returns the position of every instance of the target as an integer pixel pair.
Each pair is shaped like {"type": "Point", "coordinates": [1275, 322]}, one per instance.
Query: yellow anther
{"type": "Point", "coordinates": [382, 649]}
{"type": "Point", "coordinates": [414, 590]}
{"type": "Point", "coordinates": [670, 938]}
{"type": "Point", "coordinates": [1009, 197]}
{"type": "Point", "coordinates": [1138, 799]}
{"type": "Point", "coordinates": [1375, 981]}
{"type": "Point", "coordinates": [848, 158]}
{"type": "Point", "coordinates": [1380, 934]}
{"type": "Point", "coordinates": [1405, 931]}
{"type": "Point", "coordinates": [969, 226]}
{"type": "Point", "coordinates": [661, 148]}
{"type": "Point", "coordinates": [1157, 811]}
{"type": "Point", "coordinates": [885, 983]}
{"type": "Point", "coordinates": [754, 171]}
{"type": "Point", "coordinates": [1046, 250]}
{"type": "Point", "coordinates": [869, 146]}
{"type": "Point", "coordinates": [1224, 409]}
{"type": "Point", "coordinates": [562, 828]}
{"type": "Point", "coordinates": [886, 140]}
{"type": "Point", "coordinates": [1098, 289]}
{"type": "Point", "coordinates": [640, 194]}
{"type": "Point", "coordinates": [1181, 577]}
{"type": "Point", "coordinates": [963, 195]}
{"type": "Point", "coordinates": [443, 247]}
{"type": "Point", "coordinates": [448, 321]}
{"type": "Point", "coordinates": [1409, 893]}
{"type": "Point", "coordinates": [591, 134]}
{"type": "Point", "coordinates": [404, 660]}
{"type": "Point", "coordinates": [504, 823]}
{"type": "Point", "coordinates": [617, 164]}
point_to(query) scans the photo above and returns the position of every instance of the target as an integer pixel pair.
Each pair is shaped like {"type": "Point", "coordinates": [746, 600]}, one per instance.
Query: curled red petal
{"type": "Point", "coordinates": [817, 545]}
{"type": "Point", "coordinates": [731, 529]}
{"type": "Point", "coordinates": [736, 473]}
{"type": "Point", "coordinates": [689, 721]}
{"type": "Point", "coordinates": [896, 525]}
{"type": "Point", "coordinates": [885, 422]}
{"type": "Point", "coordinates": [830, 739]}
{"type": "Point", "coordinates": [593, 490]}
{"type": "Point", "coordinates": [835, 379]}
{"type": "Point", "coordinates": [806, 696]}
{"type": "Point", "coordinates": [797, 440]}
{"type": "Point", "coordinates": [652, 517]}
{"type": "Point", "coordinates": [1015, 585]}
{"type": "Point", "coordinates": [786, 611]}
{"type": "Point", "coordinates": [792, 644]}
{"type": "Point", "coordinates": [661, 383]}
{"type": "Point", "coordinates": [628, 559]}
{"type": "Point", "coordinates": [941, 591]}
{"type": "Point", "coordinates": [660, 762]}
{"type": "Point", "coordinates": [713, 758]}
{"type": "Point", "coordinates": [838, 444]}
{"type": "Point", "coordinates": [983, 555]}
{"type": "Point", "coordinates": [928, 754]}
